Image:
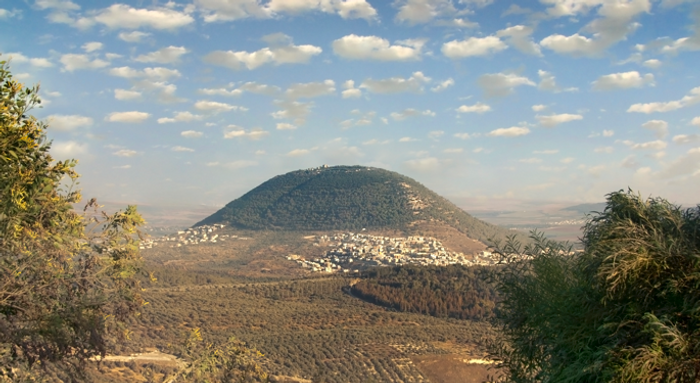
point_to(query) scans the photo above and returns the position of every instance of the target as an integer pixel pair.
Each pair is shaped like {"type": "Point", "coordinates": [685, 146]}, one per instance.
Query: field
{"type": "Point", "coordinates": [308, 329]}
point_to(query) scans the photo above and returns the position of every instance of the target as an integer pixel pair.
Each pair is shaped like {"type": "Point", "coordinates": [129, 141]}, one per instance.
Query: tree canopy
{"type": "Point", "coordinates": [626, 309]}
{"type": "Point", "coordinates": [67, 280]}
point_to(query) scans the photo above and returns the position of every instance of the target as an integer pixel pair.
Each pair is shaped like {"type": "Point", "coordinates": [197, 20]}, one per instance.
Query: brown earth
{"type": "Point", "coordinates": [453, 368]}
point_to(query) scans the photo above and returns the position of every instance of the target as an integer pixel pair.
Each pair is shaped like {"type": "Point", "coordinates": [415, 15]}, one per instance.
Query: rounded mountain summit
{"type": "Point", "coordinates": [350, 198]}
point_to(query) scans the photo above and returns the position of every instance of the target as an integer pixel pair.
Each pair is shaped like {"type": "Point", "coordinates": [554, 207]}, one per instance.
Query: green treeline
{"type": "Point", "coordinates": [347, 198]}
{"type": "Point", "coordinates": [454, 291]}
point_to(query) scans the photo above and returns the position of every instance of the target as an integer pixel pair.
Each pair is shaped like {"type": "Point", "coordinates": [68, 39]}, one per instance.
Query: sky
{"type": "Point", "coordinates": [197, 102]}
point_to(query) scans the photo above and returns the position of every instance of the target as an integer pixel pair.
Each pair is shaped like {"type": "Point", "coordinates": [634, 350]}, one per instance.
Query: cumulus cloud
{"type": "Point", "coordinates": [659, 127]}
{"type": "Point", "coordinates": [410, 112]}
{"type": "Point", "coordinates": [66, 123]}
{"type": "Point", "coordinates": [652, 64]}
{"type": "Point", "coordinates": [423, 164]}
{"type": "Point", "coordinates": [180, 117]}
{"type": "Point", "coordinates": [292, 110]}
{"type": "Point", "coordinates": [191, 134]}
{"type": "Point", "coordinates": [356, 47]}
{"type": "Point", "coordinates": [125, 153]}
{"type": "Point", "coordinates": [440, 12]}
{"type": "Point", "coordinates": [350, 90]}
{"type": "Point", "coordinates": [692, 98]}
{"type": "Point", "coordinates": [123, 94]}
{"type": "Point", "coordinates": [453, 150]}
{"type": "Point", "coordinates": [414, 84]}
{"type": "Point", "coordinates": [233, 131]}
{"type": "Point", "coordinates": [685, 138]}
{"type": "Point", "coordinates": [553, 120]}
{"type": "Point", "coordinates": [150, 74]}
{"type": "Point", "coordinates": [548, 83]}
{"type": "Point", "coordinates": [73, 62]}
{"type": "Point", "coordinates": [92, 46]}
{"type": "Point", "coordinates": [463, 136]}
{"type": "Point", "coordinates": [285, 126]}
{"type": "Point", "coordinates": [443, 85]}
{"type": "Point", "coordinates": [604, 149]}
{"type": "Point", "coordinates": [298, 152]}
{"type": "Point", "coordinates": [276, 54]}
{"type": "Point", "coordinates": [519, 36]}
{"type": "Point", "coordinates": [181, 149]}
{"type": "Point", "coordinates": [514, 131]}
{"type": "Point", "coordinates": [473, 46]}
{"type": "Point", "coordinates": [217, 10]}
{"type": "Point", "coordinates": [688, 163]}
{"type": "Point", "coordinates": [167, 55]}
{"type": "Point", "coordinates": [129, 117]}
{"type": "Point", "coordinates": [38, 62]}
{"type": "Point", "coordinates": [651, 145]}
{"type": "Point", "coordinates": [407, 139]}
{"type": "Point", "coordinates": [623, 81]}
{"type": "Point", "coordinates": [476, 108]}
{"type": "Point", "coordinates": [539, 107]}
{"type": "Point", "coordinates": [501, 84]}
{"type": "Point", "coordinates": [695, 121]}
{"type": "Point", "coordinates": [548, 151]}
{"type": "Point", "coordinates": [133, 37]}
{"type": "Point", "coordinates": [311, 89]}
{"type": "Point", "coordinates": [67, 149]}
{"type": "Point", "coordinates": [216, 107]}
{"type": "Point", "coordinates": [121, 16]}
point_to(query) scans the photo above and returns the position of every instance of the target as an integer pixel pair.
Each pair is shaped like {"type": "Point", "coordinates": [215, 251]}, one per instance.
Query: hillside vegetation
{"type": "Point", "coordinates": [348, 198]}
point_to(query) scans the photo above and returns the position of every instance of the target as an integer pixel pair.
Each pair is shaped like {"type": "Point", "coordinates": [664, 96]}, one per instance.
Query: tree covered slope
{"type": "Point", "coordinates": [347, 198]}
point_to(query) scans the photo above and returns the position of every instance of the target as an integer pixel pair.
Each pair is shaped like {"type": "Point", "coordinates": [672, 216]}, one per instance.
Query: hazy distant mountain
{"type": "Point", "coordinates": [586, 208]}
{"type": "Point", "coordinates": [349, 198]}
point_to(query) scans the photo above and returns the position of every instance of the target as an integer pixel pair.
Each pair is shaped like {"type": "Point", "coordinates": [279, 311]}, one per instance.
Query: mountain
{"type": "Point", "coordinates": [350, 198]}
{"type": "Point", "coordinates": [586, 208]}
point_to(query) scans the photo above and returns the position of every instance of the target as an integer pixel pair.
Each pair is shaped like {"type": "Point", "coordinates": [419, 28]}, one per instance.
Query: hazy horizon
{"type": "Point", "coordinates": [197, 102]}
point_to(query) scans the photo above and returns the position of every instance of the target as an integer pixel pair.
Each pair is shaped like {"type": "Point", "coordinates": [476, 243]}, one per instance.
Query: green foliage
{"type": "Point", "coordinates": [453, 291]}
{"type": "Point", "coordinates": [346, 198]}
{"type": "Point", "coordinates": [626, 309]}
{"type": "Point", "coordinates": [66, 279]}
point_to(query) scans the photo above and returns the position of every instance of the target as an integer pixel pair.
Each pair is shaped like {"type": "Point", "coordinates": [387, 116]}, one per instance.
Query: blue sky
{"type": "Point", "coordinates": [198, 102]}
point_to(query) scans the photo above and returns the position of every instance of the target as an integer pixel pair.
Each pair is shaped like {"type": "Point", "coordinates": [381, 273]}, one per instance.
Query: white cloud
{"type": "Point", "coordinates": [292, 110]}
{"type": "Point", "coordinates": [435, 134]}
{"type": "Point", "coordinates": [233, 131]}
{"type": "Point", "coordinates": [220, 92]}
{"type": "Point", "coordinates": [473, 46]}
{"type": "Point", "coordinates": [5, 14]}
{"type": "Point", "coordinates": [608, 133]}
{"type": "Point", "coordinates": [659, 127]}
{"type": "Point", "coordinates": [285, 126]}
{"type": "Point", "coordinates": [442, 12]}
{"type": "Point", "coordinates": [311, 89]}
{"type": "Point", "coordinates": [191, 134]}
{"type": "Point", "coordinates": [695, 121]}
{"type": "Point", "coordinates": [514, 131]}
{"type": "Point", "coordinates": [350, 90]}
{"type": "Point", "coordinates": [410, 112]}
{"type": "Point", "coordinates": [133, 37]}
{"type": "Point", "coordinates": [38, 62]}
{"type": "Point", "coordinates": [519, 37]}
{"type": "Point", "coordinates": [123, 94]}
{"type": "Point", "coordinates": [125, 17]}
{"type": "Point", "coordinates": [443, 85]}
{"type": "Point", "coordinates": [453, 150]}
{"type": "Point", "coordinates": [73, 62]}
{"type": "Point", "coordinates": [407, 139]}
{"type": "Point", "coordinates": [167, 55]}
{"type": "Point", "coordinates": [531, 160]}
{"type": "Point", "coordinates": [397, 84]}
{"type": "Point", "coordinates": [653, 145]}
{"type": "Point", "coordinates": [567, 160]}
{"type": "Point", "coordinates": [65, 123]}
{"type": "Point", "coordinates": [129, 117]}
{"type": "Point", "coordinates": [67, 149]}
{"type": "Point", "coordinates": [548, 151]}
{"type": "Point", "coordinates": [692, 98]}
{"type": "Point", "coordinates": [652, 64]}
{"type": "Point", "coordinates": [92, 46]}
{"type": "Point", "coordinates": [688, 163]}
{"type": "Point", "coordinates": [150, 74]}
{"type": "Point", "coordinates": [476, 108]}
{"type": "Point", "coordinates": [181, 149]}
{"type": "Point", "coordinates": [463, 136]}
{"type": "Point", "coordinates": [553, 120]}
{"type": "Point", "coordinates": [180, 117]}
{"type": "Point", "coordinates": [298, 152]}
{"type": "Point", "coordinates": [623, 81]}
{"type": "Point", "coordinates": [216, 107]}
{"type": "Point", "coordinates": [276, 54]}
{"type": "Point", "coordinates": [356, 47]}
{"type": "Point", "coordinates": [685, 138]}
{"type": "Point", "coordinates": [539, 107]}
{"type": "Point", "coordinates": [548, 83]}
{"type": "Point", "coordinates": [604, 149]}
{"type": "Point", "coordinates": [222, 10]}
{"type": "Point", "coordinates": [125, 153]}
{"type": "Point", "coordinates": [501, 84]}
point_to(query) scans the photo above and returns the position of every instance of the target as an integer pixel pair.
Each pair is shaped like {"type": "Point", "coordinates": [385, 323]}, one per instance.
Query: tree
{"type": "Point", "coordinates": [67, 280]}
{"type": "Point", "coordinates": [625, 309]}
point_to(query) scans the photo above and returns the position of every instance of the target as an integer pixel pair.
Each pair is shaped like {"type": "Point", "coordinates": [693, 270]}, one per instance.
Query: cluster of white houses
{"type": "Point", "coordinates": [350, 252]}
{"type": "Point", "coordinates": [191, 236]}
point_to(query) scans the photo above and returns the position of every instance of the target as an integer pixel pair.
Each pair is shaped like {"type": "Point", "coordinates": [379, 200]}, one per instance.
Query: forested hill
{"type": "Point", "coordinates": [347, 198]}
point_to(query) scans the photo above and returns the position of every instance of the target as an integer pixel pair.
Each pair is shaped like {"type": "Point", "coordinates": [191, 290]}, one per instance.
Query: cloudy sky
{"type": "Point", "coordinates": [196, 102]}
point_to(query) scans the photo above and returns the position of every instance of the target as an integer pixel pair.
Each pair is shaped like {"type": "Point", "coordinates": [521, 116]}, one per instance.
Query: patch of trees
{"type": "Point", "coordinates": [626, 309]}
{"type": "Point", "coordinates": [453, 291]}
